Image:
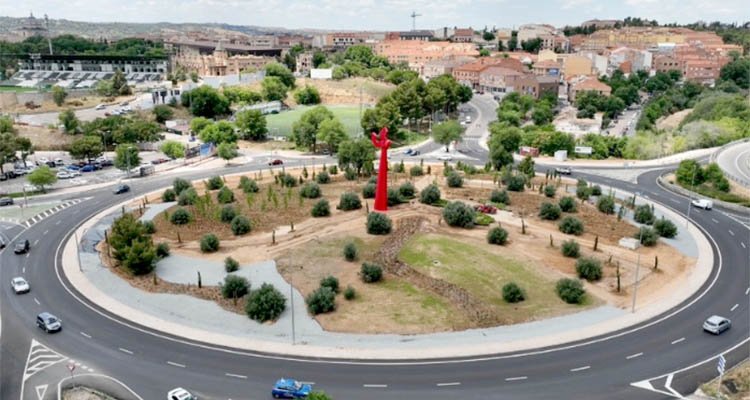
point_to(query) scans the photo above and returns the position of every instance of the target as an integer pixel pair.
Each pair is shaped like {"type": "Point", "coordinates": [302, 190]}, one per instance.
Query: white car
{"type": "Point", "coordinates": [73, 173]}
{"type": "Point", "coordinates": [63, 175]}
{"type": "Point", "coordinates": [20, 285]}
{"type": "Point", "coordinates": [100, 107]}
{"type": "Point", "coordinates": [716, 324]}
{"type": "Point", "coordinates": [445, 157]}
{"type": "Point", "coordinates": [180, 394]}
{"type": "Point", "coordinates": [59, 162]}
{"type": "Point", "coordinates": [42, 160]}
{"type": "Point", "coordinates": [703, 203]}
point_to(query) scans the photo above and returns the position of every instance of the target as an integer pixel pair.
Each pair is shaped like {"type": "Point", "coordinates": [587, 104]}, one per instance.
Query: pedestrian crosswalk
{"type": "Point", "coordinates": [47, 213]}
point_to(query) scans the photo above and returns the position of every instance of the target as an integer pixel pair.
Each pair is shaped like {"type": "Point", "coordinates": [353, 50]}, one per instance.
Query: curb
{"type": "Point", "coordinates": [690, 194]}
{"type": "Point", "coordinates": [400, 350]}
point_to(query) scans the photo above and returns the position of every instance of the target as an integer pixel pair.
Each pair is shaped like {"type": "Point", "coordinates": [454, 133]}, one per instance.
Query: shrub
{"type": "Point", "coordinates": [240, 225]}
{"type": "Point", "coordinates": [648, 236]}
{"type": "Point", "coordinates": [550, 190]}
{"type": "Point", "coordinates": [457, 213]}
{"type": "Point", "coordinates": [349, 293]}
{"type": "Point", "coordinates": [368, 191]}
{"type": "Point", "coordinates": [179, 185]}
{"type": "Point", "coordinates": [215, 183]}
{"type": "Point", "coordinates": [371, 273]}
{"type": "Point", "coordinates": [549, 211]}
{"type": "Point", "coordinates": [570, 248]}
{"type": "Point", "coordinates": [331, 282]}
{"type": "Point", "coordinates": [349, 201]}
{"type": "Point", "coordinates": [416, 171]}
{"type": "Point", "coordinates": [334, 170]}
{"type": "Point", "coordinates": [265, 304]}
{"type": "Point", "coordinates": [168, 195]}
{"type": "Point", "coordinates": [497, 235]}
{"type": "Point", "coordinates": [322, 300]}
{"type": "Point", "coordinates": [512, 293]}
{"type": "Point", "coordinates": [287, 180]}
{"type": "Point", "coordinates": [571, 225]}
{"type": "Point", "coordinates": [394, 198]}
{"type": "Point", "coordinates": [455, 180]}
{"type": "Point", "coordinates": [643, 215]}
{"type": "Point", "coordinates": [350, 174]}
{"type": "Point", "coordinates": [516, 183]}
{"type": "Point", "coordinates": [596, 190]}
{"type": "Point", "coordinates": [500, 196]}
{"type": "Point", "coordinates": [589, 268]}
{"type": "Point", "coordinates": [162, 250]}
{"type": "Point", "coordinates": [188, 197]}
{"type": "Point", "coordinates": [583, 192]}
{"type": "Point", "coordinates": [430, 194]}
{"type": "Point", "coordinates": [248, 185]}
{"type": "Point", "coordinates": [323, 177]}
{"type": "Point", "coordinates": [568, 204]}
{"type": "Point", "coordinates": [378, 224]}
{"type": "Point", "coordinates": [570, 290]}
{"type": "Point", "coordinates": [209, 243]}
{"type": "Point", "coordinates": [350, 251]}
{"type": "Point", "coordinates": [321, 209]}
{"type": "Point", "coordinates": [310, 190]}
{"type": "Point", "coordinates": [606, 204]}
{"type": "Point", "coordinates": [227, 214]}
{"type": "Point", "coordinates": [180, 216]}
{"type": "Point", "coordinates": [234, 287]}
{"type": "Point", "coordinates": [225, 195]}
{"type": "Point", "coordinates": [231, 265]}
{"type": "Point", "coordinates": [149, 226]}
{"type": "Point", "coordinates": [407, 190]}
{"type": "Point", "coordinates": [665, 228]}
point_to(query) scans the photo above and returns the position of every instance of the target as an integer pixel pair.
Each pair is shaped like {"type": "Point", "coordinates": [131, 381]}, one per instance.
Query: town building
{"type": "Point", "coordinates": [433, 69]}
{"type": "Point", "coordinates": [416, 53]}
{"type": "Point", "coordinates": [547, 68]}
{"type": "Point", "coordinates": [219, 62]}
{"type": "Point", "coordinates": [581, 84]}
{"type": "Point", "coordinates": [31, 27]}
{"type": "Point", "coordinates": [601, 23]}
{"type": "Point", "coordinates": [304, 64]}
{"type": "Point", "coordinates": [343, 40]}
{"type": "Point", "coordinates": [469, 74]}
{"type": "Point", "coordinates": [462, 35]}
{"type": "Point", "coordinates": [180, 46]}
{"type": "Point", "coordinates": [423, 35]}
{"type": "Point", "coordinates": [533, 31]}
{"type": "Point", "coordinates": [574, 65]}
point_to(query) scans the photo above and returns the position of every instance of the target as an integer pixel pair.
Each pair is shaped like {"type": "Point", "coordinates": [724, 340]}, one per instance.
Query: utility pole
{"type": "Point", "coordinates": [637, 269]}
{"type": "Point", "coordinates": [690, 197]}
{"type": "Point", "coordinates": [49, 35]}
{"type": "Point", "coordinates": [291, 299]}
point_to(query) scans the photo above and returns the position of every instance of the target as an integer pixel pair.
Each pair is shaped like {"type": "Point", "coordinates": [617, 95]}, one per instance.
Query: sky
{"type": "Point", "coordinates": [380, 14]}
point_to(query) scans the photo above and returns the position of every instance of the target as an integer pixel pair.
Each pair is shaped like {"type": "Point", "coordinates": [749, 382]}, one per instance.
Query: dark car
{"type": "Point", "coordinates": [2, 243]}
{"type": "Point", "coordinates": [6, 201]}
{"type": "Point", "coordinates": [106, 162]}
{"type": "Point", "coordinates": [22, 246]}
{"type": "Point", "coordinates": [48, 322]}
{"type": "Point", "coordinates": [121, 189]}
{"type": "Point", "coordinates": [88, 168]}
{"type": "Point", "coordinates": [275, 162]}
{"type": "Point", "coordinates": [290, 389]}
{"type": "Point", "coordinates": [159, 161]}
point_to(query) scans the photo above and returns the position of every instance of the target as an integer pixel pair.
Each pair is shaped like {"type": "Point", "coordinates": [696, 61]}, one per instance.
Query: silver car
{"type": "Point", "coordinates": [20, 285]}
{"type": "Point", "coordinates": [716, 324]}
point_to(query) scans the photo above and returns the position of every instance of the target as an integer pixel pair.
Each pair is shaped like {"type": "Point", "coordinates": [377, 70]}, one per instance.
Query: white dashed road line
{"type": "Point", "coordinates": [516, 378]}
{"type": "Point", "coordinates": [678, 340]}
{"type": "Point", "coordinates": [743, 245]}
{"type": "Point", "coordinates": [45, 232]}
{"type": "Point", "coordinates": [86, 335]}
{"type": "Point", "coordinates": [747, 291]}
{"type": "Point", "coordinates": [36, 242]}
{"type": "Point", "coordinates": [734, 307]}
{"type": "Point", "coordinates": [632, 356]}
{"type": "Point", "coordinates": [449, 384]}
{"type": "Point", "coordinates": [37, 302]}
{"type": "Point", "coordinates": [174, 364]}
{"type": "Point", "coordinates": [236, 376]}
{"type": "Point", "coordinates": [580, 368]}
{"type": "Point", "coordinates": [715, 221]}
{"type": "Point", "coordinates": [374, 385]}
{"type": "Point", "coordinates": [731, 233]}
{"type": "Point", "coordinates": [126, 351]}
{"type": "Point", "coordinates": [58, 222]}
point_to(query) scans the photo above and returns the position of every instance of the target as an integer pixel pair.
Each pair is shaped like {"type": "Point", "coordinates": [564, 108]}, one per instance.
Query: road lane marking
{"type": "Point", "coordinates": [36, 242]}
{"type": "Point", "coordinates": [678, 340]}
{"type": "Point", "coordinates": [23, 271]}
{"type": "Point", "coordinates": [449, 384]}
{"type": "Point", "coordinates": [516, 378]}
{"type": "Point", "coordinates": [632, 356]}
{"type": "Point", "coordinates": [37, 302]}
{"type": "Point", "coordinates": [58, 222]}
{"type": "Point", "coordinates": [174, 364]}
{"type": "Point", "coordinates": [747, 291]}
{"type": "Point", "coordinates": [675, 201]}
{"type": "Point", "coordinates": [374, 385]}
{"type": "Point", "coordinates": [27, 255]}
{"type": "Point", "coordinates": [734, 307]}
{"type": "Point", "coordinates": [45, 232]}
{"type": "Point", "coordinates": [126, 351]}
{"type": "Point", "coordinates": [86, 335]}
{"type": "Point", "coordinates": [580, 368]}
{"type": "Point", "coordinates": [715, 221]}
{"type": "Point", "coordinates": [743, 245]}
{"type": "Point", "coordinates": [237, 376]}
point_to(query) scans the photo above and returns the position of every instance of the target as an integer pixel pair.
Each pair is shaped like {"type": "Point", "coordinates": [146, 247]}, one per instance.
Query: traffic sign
{"type": "Point", "coordinates": [721, 364]}
{"type": "Point", "coordinates": [71, 367]}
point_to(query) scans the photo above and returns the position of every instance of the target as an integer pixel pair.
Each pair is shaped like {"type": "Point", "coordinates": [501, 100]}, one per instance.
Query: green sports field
{"type": "Point", "coordinates": [281, 124]}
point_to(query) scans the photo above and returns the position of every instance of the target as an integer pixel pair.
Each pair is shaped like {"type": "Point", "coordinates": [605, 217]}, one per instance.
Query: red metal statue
{"type": "Point", "coordinates": [381, 194]}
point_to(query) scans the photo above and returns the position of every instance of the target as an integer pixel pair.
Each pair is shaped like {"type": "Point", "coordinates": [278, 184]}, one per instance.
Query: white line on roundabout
{"type": "Point", "coordinates": [632, 356]}
{"type": "Point", "coordinates": [678, 340]}
{"type": "Point", "coordinates": [580, 369]}
{"type": "Point", "coordinates": [250, 353]}
{"type": "Point", "coordinates": [516, 378]}
{"type": "Point", "coordinates": [174, 364]}
{"type": "Point", "coordinates": [448, 384]}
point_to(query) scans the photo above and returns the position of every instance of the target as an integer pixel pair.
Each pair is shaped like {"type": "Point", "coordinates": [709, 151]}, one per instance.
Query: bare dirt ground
{"type": "Point", "coordinates": [671, 122]}
{"type": "Point", "coordinates": [738, 378]}
{"type": "Point", "coordinates": [81, 393]}
{"type": "Point", "coordinates": [74, 103]}
{"type": "Point", "coordinates": [313, 249]}
{"type": "Point", "coordinates": [346, 91]}
{"type": "Point", "coordinates": [45, 139]}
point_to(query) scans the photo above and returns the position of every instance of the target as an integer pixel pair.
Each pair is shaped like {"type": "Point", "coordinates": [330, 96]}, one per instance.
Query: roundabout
{"type": "Point", "coordinates": [666, 355]}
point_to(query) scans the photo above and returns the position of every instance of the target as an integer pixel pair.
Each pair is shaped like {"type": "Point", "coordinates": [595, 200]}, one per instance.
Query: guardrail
{"type": "Point", "coordinates": [715, 155]}
{"type": "Point", "coordinates": [693, 195]}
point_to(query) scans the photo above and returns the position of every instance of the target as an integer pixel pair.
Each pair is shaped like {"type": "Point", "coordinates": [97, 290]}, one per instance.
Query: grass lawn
{"type": "Point", "coordinates": [281, 124]}
{"type": "Point", "coordinates": [483, 273]}
{"type": "Point", "coordinates": [17, 89]}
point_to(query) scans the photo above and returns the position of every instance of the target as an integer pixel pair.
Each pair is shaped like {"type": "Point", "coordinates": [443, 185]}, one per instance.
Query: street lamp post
{"type": "Point", "coordinates": [690, 198]}
{"type": "Point", "coordinates": [637, 269]}
{"type": "Point", "coordinates": [291, 299]}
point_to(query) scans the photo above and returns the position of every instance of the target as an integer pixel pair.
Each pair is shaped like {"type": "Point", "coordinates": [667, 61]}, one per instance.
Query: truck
{"type": "Point", "coordinates": [145, 170]}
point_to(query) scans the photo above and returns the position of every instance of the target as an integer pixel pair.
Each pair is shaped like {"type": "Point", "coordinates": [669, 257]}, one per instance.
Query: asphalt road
{"type": "Point", "coordinates": [152, 363]}
{"type": "Point", "coordinates": [735, 161]}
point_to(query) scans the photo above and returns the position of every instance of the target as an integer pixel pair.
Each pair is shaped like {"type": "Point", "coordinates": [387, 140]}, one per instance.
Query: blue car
{"type": "Point", "coordinates": [88, 168]}
{"type": "Point", "coordinates": [73, 168]}
{"type": "Point", "coordinates": [290, 389]}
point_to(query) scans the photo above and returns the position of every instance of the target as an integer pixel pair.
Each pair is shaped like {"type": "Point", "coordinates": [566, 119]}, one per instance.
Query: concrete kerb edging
{"type": "Point", "coordinates": [687, 193]}
{"type": "Point", "coordinates": [715, 156]}
{"type": "Point", "coordinates": [93, 381]}
{"type": "Point", "coordinates": [400, 350]}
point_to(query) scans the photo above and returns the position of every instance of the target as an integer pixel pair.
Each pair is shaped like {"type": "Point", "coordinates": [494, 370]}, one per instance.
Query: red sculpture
{"type": "Point", "coordinates": [381, 194]}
